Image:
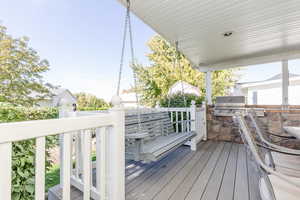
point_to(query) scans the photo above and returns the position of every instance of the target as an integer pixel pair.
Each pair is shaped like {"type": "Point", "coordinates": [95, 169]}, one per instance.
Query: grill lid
{"type": "Point", "coordinates": [230, 101]}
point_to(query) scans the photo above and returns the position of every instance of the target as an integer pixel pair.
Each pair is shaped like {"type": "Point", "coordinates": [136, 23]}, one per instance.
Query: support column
{"type": "Point", "coordinates": [285, 83]}
{"type": "Point", "coordinates": [208, 86]}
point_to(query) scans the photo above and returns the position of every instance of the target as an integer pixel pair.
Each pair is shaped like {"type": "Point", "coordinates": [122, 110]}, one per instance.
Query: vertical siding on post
{"type": "Point", "coordinates": [66, 156]}
{"type": "Point", "coordinates": [5, 172]}
{"type": "Point", "coordinates": [40, 168]}
{"type": "Point", "coordinates": [101, 162]}
{"type": "Point", "coordinates": [87, 165]}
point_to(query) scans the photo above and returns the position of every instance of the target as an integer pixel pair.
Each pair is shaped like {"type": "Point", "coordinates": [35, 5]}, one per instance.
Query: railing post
{"type": "Point", "coordinates": [203, 121]}
{"type": "Point", "coordinates": [157, 105]}
{"type": "Point", "coordinates": [65, 110]}
{"type": "Point", "coordinates": [116, 153]}
{"type": "Point", "coordinates": [193, 125]}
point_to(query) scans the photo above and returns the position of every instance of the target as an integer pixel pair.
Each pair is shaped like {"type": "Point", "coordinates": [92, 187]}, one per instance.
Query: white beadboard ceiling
{"type": "Point", "coordinates": [263, 30]}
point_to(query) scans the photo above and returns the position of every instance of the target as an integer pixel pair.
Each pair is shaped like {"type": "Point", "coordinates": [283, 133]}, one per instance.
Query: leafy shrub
{"type": "Point", "coordinates": [23, 166]}
{"type": "Point", "coordinates": [177, 100]}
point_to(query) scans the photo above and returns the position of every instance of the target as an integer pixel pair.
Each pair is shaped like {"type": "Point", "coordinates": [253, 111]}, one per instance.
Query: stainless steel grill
{"type": "Point", "coordinates": [229, 105]}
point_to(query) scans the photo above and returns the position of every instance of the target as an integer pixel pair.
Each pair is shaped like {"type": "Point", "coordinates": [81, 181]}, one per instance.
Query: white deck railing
{"type": "Point", "coordinates": [81, 135]}
{"type": "Point", "coordinates": [189, 119]}
{"type": "Point", "coordinates": [110, 161]}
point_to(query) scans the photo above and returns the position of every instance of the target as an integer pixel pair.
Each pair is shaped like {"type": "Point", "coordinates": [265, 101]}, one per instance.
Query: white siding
{"type": "Point", "coordinates": [294, 95]}
{"type": "Point", "coordinates": [273, 96]}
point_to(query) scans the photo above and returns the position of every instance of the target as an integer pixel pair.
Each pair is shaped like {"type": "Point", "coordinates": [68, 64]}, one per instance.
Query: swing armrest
{"type": "Point", "coordinates": [137, 136]}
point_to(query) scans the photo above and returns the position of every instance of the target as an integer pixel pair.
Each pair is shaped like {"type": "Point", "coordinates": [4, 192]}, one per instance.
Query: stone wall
{"type": "Point", "coordinates": [224, 129]}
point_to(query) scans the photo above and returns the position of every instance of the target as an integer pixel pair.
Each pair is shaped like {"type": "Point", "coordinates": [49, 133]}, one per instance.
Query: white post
{"type": "Point", "coordinates": [208, 86]}
{"type": "Point", "coordinates": [285, 83]}
{"type": "Point", "coordinates": [204, 121]}
{"type": "Point", "coordinates": [116, 153]}
{"type": "Point", "coordinates": [157, 105]}
{"type": "Point", "coordinates": [193, 125]}
{"type": "Point", "coordinates": [65, 110]}
{"type": "Point", "coordinates": [40, 158]}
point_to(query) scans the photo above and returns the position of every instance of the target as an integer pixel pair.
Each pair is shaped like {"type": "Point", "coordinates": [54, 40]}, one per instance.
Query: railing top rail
{"type": "Point", "coordinates": [174, 109]}
{"type": "Point", "coordinates": [89, 113]}
{"type": "Point", "coordinates": [16, 131]}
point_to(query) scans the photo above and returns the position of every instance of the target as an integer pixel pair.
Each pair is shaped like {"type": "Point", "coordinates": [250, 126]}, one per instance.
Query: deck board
{"type": "Point", "coordinates": [217, 171]}
{"type": "Point", "coordinates": [227, 187]}
{"type": "Point", "coordinates": [241, 185]}
{"type": "Point", "coordinates": [200, 184]}
{"type": "Point", "coordinates": [150, 181]}
{"type": "Point", "coordinates": [171, 187]}
{"type": "Point", "coordinates": [145, 176]}
{"type": "Point", "coordinates": [253, 180]}
{"type": "Point", "coordinates": [215, 181]}
{"type": "Point", "coordinates": [183, 189]}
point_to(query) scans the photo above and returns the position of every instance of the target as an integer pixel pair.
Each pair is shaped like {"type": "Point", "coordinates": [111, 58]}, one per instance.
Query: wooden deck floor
{"type": "Point", "coordinates": [217, 171]}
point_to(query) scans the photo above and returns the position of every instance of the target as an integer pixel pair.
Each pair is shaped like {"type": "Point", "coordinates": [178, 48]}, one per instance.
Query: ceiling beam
{"type": "Point", "coordinates": [243, 62]}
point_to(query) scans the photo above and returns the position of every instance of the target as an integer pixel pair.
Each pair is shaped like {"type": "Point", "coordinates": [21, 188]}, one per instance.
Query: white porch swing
{"type": "Point", "coordinates": [150, 134]}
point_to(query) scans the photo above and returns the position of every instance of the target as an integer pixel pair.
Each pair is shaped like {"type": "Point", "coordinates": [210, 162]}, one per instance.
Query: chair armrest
{"type": "Point", "coordinates": [280, 149]}
{"type": "Point", "coordinates": [281, 136]}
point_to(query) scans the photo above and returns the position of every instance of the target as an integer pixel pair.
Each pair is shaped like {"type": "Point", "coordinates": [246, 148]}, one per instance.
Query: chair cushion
{"type": "Point", "coordinates": [282, 189]}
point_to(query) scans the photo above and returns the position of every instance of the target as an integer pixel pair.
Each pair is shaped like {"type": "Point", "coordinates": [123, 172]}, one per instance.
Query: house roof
{"type": "Point", "coordinates": [55, 91]}
{"type": "Point", "coordinates": [257, 31]}
{"type": "Point", "coordinates": [187, 88]}
{"type": "Point", "coordinates": [274, 79]}
{"type": "Point", "coordinates": [279, 77]}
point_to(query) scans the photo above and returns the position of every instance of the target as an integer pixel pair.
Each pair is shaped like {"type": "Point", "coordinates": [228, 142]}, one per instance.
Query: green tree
{"type": "Point", "coordinates": [21, 71]}
{"type": "Point", "coordinates": [155, 80]}
{"type": "Point", "coordinates": [177, 100]}
{"type": "Point", "coordinates": [90, 102]}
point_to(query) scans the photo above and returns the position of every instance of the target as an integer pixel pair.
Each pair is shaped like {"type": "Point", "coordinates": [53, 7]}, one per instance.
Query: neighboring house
{"type": "Point", "coordinates": [269, 92]}
{"type": "Point", "coordinates": [186, 88]}
{"type": "Point", "coordinates": [129, 99]}
{"type": "Point", "coordinates": [58, 94]}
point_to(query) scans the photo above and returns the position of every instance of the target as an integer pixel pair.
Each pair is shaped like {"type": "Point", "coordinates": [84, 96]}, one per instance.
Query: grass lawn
{"type": "Point", "coordinates": [52, 177]}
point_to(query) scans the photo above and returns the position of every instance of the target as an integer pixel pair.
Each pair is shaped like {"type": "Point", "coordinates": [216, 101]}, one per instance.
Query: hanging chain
{"type": "Point", "coordinates": [181, 75]}
{"type": "Point", "coordinates": [174, 68]}
{"type": "Point", "coordinates": [122, 51]}
{"type": "Point", "coordinates": [133, 65]}
{"type": "Point", "coordinates": [127, 25]}
{"type": "Point", "coordinates": [182, 87]}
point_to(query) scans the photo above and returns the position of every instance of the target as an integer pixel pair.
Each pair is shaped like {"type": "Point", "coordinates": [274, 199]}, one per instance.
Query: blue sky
{"type": "Point", "coordinates": [82, 42]}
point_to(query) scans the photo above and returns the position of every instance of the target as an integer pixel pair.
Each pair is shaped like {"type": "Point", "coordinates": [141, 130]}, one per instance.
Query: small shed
{"type": "Point", "coordinates": [58, 94]}
{"type": "Point", "coordinates": [186, 88]}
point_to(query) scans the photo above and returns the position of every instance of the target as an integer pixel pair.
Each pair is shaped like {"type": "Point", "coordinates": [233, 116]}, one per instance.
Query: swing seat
{"type": "Point", "coordinates": [155, 139]}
